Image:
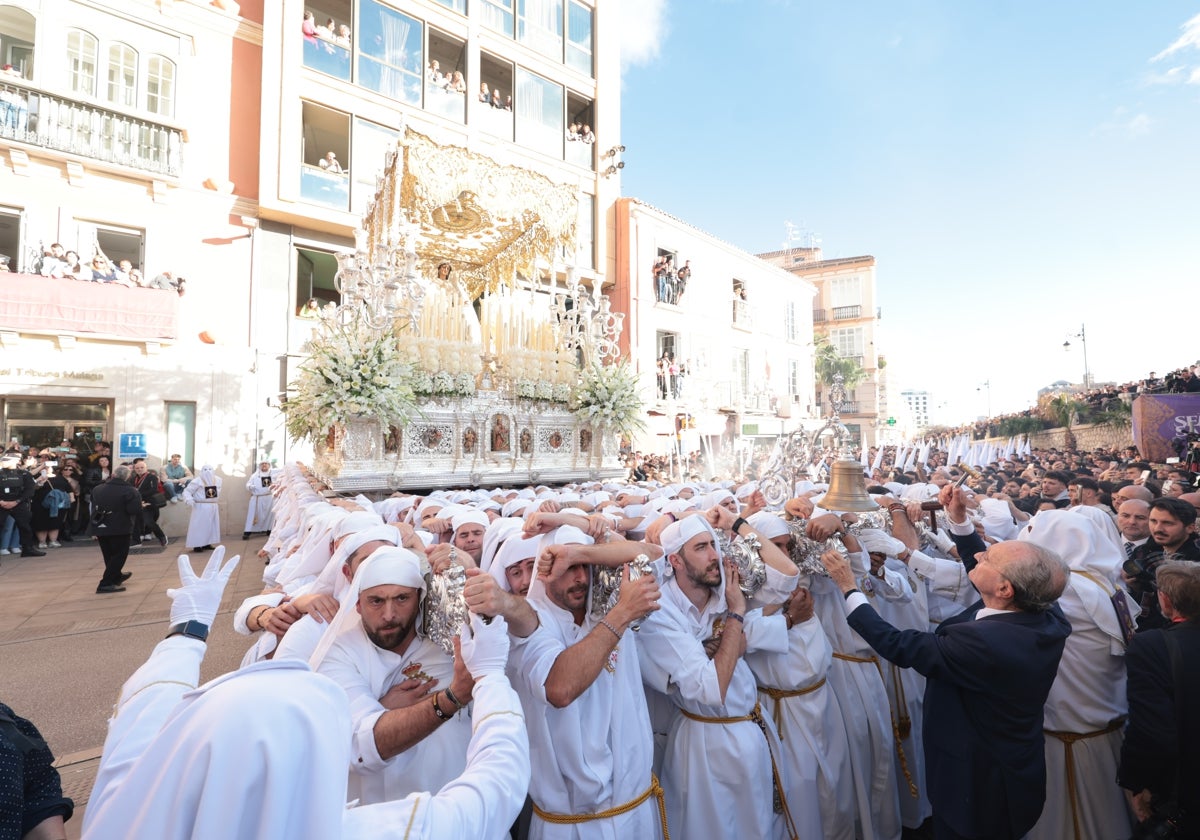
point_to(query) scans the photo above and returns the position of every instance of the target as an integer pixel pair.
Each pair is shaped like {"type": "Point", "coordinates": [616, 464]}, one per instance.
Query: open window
{"type": "Point", "coordinates": [325, 156]}
{"type": "Point", "coordinates": [741, 308]}
{"type": "Point", "coordinates": [17, 29]}
{"type": "Point", "coordinates": [581, 131]}
{"type": "Point", "coordinates": [328, 37]}
{"type": "Point", "coordinates": [315, 288]}
{"type": "Point", "coordinates": [446, 83]}
{"type": "Point", "coordinates": [10, 240]}
{"type": "Point", "coordinates": [496, 83]}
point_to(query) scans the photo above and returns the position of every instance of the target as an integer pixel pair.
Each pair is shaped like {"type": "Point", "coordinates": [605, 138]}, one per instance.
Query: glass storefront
{"type": "Point", "coordinates": [46, 423]}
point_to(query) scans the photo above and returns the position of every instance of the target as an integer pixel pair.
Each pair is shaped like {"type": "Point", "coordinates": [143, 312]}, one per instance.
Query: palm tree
{"type": "Point", "coordinates": [827, 362]}
{"type": "Point", "coordinates": [1063, 409]}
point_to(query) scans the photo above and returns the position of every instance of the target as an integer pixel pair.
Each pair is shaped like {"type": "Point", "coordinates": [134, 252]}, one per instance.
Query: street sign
{"type": "Point", "coordinates": [891, 421]}
{"type": "Point", "coordinates": [131, 445]}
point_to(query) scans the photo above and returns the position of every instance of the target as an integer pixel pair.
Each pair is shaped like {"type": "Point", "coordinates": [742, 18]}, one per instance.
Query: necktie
{"type": "Point", "coordinates": [1129, 549]}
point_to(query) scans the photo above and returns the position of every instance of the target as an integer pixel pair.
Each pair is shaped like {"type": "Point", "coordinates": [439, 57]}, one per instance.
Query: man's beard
{"type": "Point", "coordinates": [390, 636]}
{"type": "Point", "coordinates": [701, 578]}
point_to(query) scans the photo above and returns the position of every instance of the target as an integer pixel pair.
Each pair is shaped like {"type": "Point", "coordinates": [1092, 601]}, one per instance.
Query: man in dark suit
{"type": "Point", "coordinates": [989, 672]}
{"type": "Point", "coordinates": [116, 505]}
{"type": "Point", "coordinates": [1161, 753]}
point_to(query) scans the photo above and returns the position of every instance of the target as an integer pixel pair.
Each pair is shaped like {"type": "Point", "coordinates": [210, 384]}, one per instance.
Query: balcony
{"type": "Point", "coordinates": [844, 313]}
{"type": "Point", "coordinates": [327, 189]}
{"type": "Point", "coordinates": [327, 57]}
{"type": "Point", "coordinates": [819, 316]}
{"type": "Point", "coordinates": [37, 118]}
{"type": "Point", "coordinates": [58, 306]}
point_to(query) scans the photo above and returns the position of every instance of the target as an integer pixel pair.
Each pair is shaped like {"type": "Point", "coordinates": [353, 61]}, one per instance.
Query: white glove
{"type": "Point", "coordinates": [485, 646]}
{"type": "Point", "coordinates": [200, 597]}
{"type": "Point", "coordinates": [875, 541]}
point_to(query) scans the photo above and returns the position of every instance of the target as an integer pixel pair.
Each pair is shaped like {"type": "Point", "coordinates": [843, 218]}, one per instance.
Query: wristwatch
{"type": "Point", "coordinates": [192, 629]}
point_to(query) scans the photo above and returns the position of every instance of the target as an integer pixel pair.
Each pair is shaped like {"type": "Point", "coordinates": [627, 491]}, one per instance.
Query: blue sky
{"type": "Point", "coordinates": [1017, 169]}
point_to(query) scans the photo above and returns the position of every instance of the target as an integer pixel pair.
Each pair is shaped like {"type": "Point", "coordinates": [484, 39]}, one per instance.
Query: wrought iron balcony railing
{"type": "Point", "coordinates": [38, 118]}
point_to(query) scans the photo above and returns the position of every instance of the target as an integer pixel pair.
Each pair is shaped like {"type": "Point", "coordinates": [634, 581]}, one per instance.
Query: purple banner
{"type": "Point", "coordinates": [1158, 420]}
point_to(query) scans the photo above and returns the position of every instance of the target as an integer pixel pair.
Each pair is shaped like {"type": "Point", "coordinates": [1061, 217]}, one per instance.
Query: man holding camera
{"type": "Point", "coordinates": [1172, 537]}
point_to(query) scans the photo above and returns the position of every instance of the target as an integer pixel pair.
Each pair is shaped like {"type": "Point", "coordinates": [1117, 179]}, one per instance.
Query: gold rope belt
{"type": "Point", "coordinates": [757, 718]}
{"type": "Point", "coordinates": [1069, 739]}
{"type": "Point", "coordinates": [778, 694]}
{"type": "Point", "coordinates": [654, 790]}
{"type": "Point", "coordinates": [874, 660]}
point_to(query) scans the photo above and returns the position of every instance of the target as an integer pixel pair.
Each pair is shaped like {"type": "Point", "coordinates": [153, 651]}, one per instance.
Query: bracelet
{"type": "Point", "coordinates": [673, 517]}
{"type": "Point", "coordinates": [258, 617]}
{"type": "Point", "coordinates": [450, 696]}
{"type": "Point", "coordinates": [437, 710]}
{"type": "Point", "coordinates": [611, 629]}
{"type": "Point", "coordinates": [787, 616]}
{"type": "Point", "coordinates": [895, 507]}
{"type": "Point", "coordinates": [850, 592]}
{"type": "Point", "coordinates": [738, 523]}
{"type": "Point", "coordinates": [736, 616]}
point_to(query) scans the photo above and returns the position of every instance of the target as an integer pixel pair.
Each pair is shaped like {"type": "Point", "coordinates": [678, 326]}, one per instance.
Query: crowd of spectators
{"type": "Point", "coordinates": [329, 32]}
{"type": "Point", "coordinates": [63, 516]}
{"type": "Point", "coordinates": [670, 283]}
{"type": "Point", "coordinates": [452, 82]}
{"type": "Point", "coordinates": [580, 133]}
{"type": "Point", "coordinates": [494, 97]}
{"type": "Point", "coordinates": [670, 374]}
{"type": "Point", "coordinates": [56, 261]}
{"type": "Point", "coordinates": [1092, 405]}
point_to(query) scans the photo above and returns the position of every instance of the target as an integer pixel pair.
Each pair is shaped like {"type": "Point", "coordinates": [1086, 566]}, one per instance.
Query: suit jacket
{"type": "Point", "coordinates": [1155, 749]}
{"type": "Point", "coordinates": [1149, 556]}
{"type": "Point", "coordinates": [988, 680]}
{"type": "Point", "coordinates": [118, 503]}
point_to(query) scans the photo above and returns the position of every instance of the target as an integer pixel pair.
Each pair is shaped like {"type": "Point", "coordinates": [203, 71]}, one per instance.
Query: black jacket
{"type": "Point", "coordinates": [16, 485]}
{"type": "Point", "coordinates": [115, 505]}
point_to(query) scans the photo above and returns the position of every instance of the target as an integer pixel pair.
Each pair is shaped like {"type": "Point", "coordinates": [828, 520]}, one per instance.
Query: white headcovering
{"type": "Point", "coordinates": [385, 566]}
{"type": "Point", "coordinates": [1088, 551]}
{"type": "Point", "coordinates": [194, 777]}
{"type": "Point", "coordinates": [331, 579]}
{"type": "Point", "coordinates": [208, 476]}
{"type": "Point", "coordinates": [997, 519]}
{"type": "Point", "coordinates": [468, 517]}
{"type": "Point", "coordinates": [356, 521]}
{"type": "Point", "coordinates": [676, 535]}
{"type": "Point", "coordinates": [768, 525]}
{"type": "Point", "coordinates": [515, 549]}
{"type": "Point", "coordinates": [1105, 523]}
{"type": "Point", "coordinates": [746, 491]}
{"type": "Point", "coordinates": [495, 535]}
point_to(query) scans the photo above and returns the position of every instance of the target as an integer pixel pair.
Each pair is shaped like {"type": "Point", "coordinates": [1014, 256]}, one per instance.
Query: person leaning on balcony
{"type": "Point", "coordinates": [330, 163]}
{"type": "Point", "coordinates": [102, 270]}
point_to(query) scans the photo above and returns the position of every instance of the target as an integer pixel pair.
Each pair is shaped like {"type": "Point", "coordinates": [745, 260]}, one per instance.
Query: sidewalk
{"type": "Point", "coordinates": [55, 596]}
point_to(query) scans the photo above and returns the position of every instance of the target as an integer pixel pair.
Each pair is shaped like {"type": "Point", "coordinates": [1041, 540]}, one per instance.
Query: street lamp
{"type": "Point", "coordinates": [987, 385]}
{"type": "Point", "coordinates": [1082, 336]}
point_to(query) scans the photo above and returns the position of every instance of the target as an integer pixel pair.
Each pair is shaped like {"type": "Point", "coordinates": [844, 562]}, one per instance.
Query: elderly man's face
{"type": "Point", "coordinates": [139, 468]}
{"type": "Point", "coordinates": [1133, 520]}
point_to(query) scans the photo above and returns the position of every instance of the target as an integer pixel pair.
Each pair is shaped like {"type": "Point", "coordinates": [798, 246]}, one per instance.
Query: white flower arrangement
{"type": "Point", "coordinates": [608, 397]}
{"type": "Point", "coordinates": [352, 371]}
{"type": "Point", "coordinates": [561, 393]}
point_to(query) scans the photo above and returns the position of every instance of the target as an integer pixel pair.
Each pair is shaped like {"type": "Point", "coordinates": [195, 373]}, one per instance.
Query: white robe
{"type": "Point", "coordinates": [177, 765]}
{"type": "Point", "coordinates": [815, 748]}
{"type": "Point", "coordinates": [204, 526]}
{"type": "Point", "coordinates": [717, 777]}
{"type": "Point", "coordinates": [259, 514]}
{"type": "Point", "coordinates": [366, 672]}
{"type": "Point", "coordinates": [863, 701]}
{"type": "Point", "coordinates": [595, 754]}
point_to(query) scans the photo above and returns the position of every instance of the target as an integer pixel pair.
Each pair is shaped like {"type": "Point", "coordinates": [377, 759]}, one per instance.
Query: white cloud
{"type": "Point", "coordinates": [1190, 39]}
{"type": "Point", "coordinates": [643, 30]}
{"type": "Point", "coordinates": [1121, 122]}
{"type": "Point", "coordinates": [1139, 125]}
{"type": "Point", "coordinates": [1173, 76]}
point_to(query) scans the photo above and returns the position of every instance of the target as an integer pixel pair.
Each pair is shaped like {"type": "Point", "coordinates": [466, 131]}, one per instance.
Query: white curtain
{"type": "Point", "coordinates": [395, 37]}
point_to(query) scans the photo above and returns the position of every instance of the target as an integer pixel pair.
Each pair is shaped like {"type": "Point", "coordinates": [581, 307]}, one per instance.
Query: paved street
{"type": "Point", "coordinates": [65, 651]}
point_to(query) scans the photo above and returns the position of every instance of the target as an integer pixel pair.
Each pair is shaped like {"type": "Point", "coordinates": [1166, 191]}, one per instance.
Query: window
{"type": "Point", "coordinates": [160, 86]}
{"type": "Point", "coordinates": [668, 344]}
{"type": "Point", "coordinates": [181, 433]}
{"type": "Point", "coordinates": [741, 309]}
{"type": "Point", "coordinates": [325, 157]}
{"type": "Point", "coordinates": [11, 224]}
{"type": "Point", "coordinates": [579, 38]}
{"type": "Point", "coordinates": [315, 271]}
{"type": "Point", "coordinates": [371, 144]}
{"type": "Point", "coordinates": [581, 122]}
{"type": "Point", "coordinates": [122, 75]}
{"type": "Point", "coordinates": [846, 291]}
{"type": "Point", "coordinates": [540, 25]}
{"type": "Point", "coordinates": [459, 6]}
{"type": "Point", "coordinates": [390, 53]}
{"type": "Point", "coordinates": [327, 38]}
{"type": "Point", "coordinates": [849, 342]}
{"type": "Point", "coordinates": [495, 75]}
{"type": "Point", "coordinates": [498, 15]}
{"type": "Point", "coordinates": [81, 58]}
{"type": "Point", "coordinates": [539, 107]}
{"type": "Point", "coordinates": [446, 87]}
{"type": "Point", "coordinates": [116, 243]}
{"type": "Point", "coordinates": [17, 30]}
{"type": "Point", "coordinates": [741, 372]}
{"type": "Point", "coordinates": [791, 328]}
{"type": "Point", "coordinates": [794, 379]}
